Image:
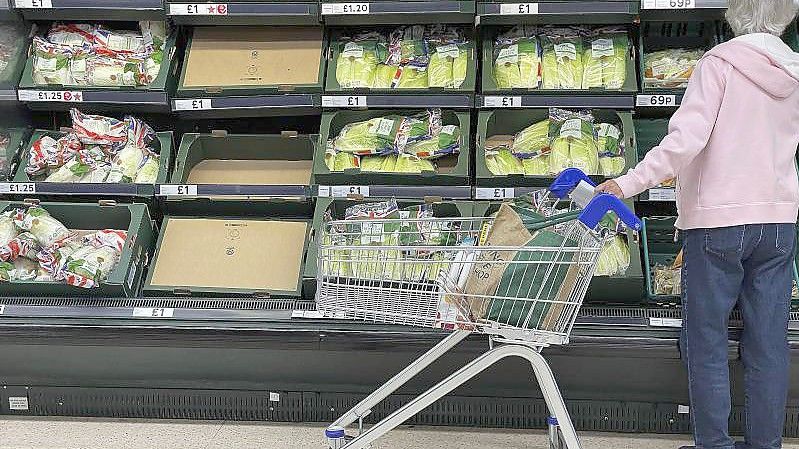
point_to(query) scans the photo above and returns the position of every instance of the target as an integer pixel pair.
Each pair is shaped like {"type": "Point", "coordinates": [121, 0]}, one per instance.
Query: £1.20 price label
{"type": "Point", "coordinates": [338, 9]}
{"type": "Point", "coordinates": [198, 9]}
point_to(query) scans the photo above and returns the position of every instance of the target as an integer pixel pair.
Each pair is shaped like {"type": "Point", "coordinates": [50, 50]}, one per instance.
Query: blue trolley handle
{"type": "Point", "coordinates": [603, 203]}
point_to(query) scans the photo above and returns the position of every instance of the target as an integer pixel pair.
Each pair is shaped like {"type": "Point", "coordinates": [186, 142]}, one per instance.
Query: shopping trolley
{"type": "Point", "coordinates": [520, 278]}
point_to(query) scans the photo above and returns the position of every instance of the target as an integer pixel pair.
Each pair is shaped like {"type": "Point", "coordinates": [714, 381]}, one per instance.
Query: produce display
{"type": "Point", "coordinates": [11, 38]}
{"type": "Point", "coordinates": [97, 150]}
{"type": "Point", "coordinates": [93, 55]}
{"type": "Point", "coordinates": [566, 139]}
{"type": "Point", "coordinates": [571, 58]}
{"type": "Point", "coordinates": [670, 68]}
{"type": "Point", "coordinates": [394, 144]}
{"type": "Point", "coordinates": [34, 246]}
{"type": "Point", "coordinates": [408, 57]}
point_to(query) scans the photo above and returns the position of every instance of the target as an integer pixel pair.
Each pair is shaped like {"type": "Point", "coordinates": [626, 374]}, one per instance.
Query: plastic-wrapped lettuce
{"type": "Point", "coordinates": [614, 258]}
{"type": "Point", "coordinates": [339, 161]}
{"type": "Point", "coordinates": [385, 76]}
{"type": "Point", "coordinates": [532, 140]}
{"type": "Point", "coordinates": [51, 63]}
{"type": "Point", "coordinates": [670, 68]}
{"type": "Point", "coordinates": [148, 173]}
{"type": "Point", "coordinates": [8, 230]}
{"type": "Point", "coordinates": [372, 163]}
{"type": "Point", "coordinates": [537, 166]}
{"type": "Point", "coordinates": [357, 63]}
{"type": "Point", "coordinates": [516, 63]}
{"type": "Point", "coordinates": [611, 151]}
{"type": "Point", "coordinates": [408, 163]}
{"type": "Point", "coordinates": [574, 142]}
{"type": "Point", "coordinates": [46, 230]}
{"type": "Point", "coordinates": [444, 142]}
{"type": "Point", "coordinates": [502, 162]}
{"type": "Point", "coordinates": [370, 137]}
{"type": "Point", "coordinates": [605, 59]}
{"type": "Point", "coordinates": [562, 60]}
{"type": "Point", "coordinates": [413, 78]}
{"type": "Point", "coordinates": [441, 65]}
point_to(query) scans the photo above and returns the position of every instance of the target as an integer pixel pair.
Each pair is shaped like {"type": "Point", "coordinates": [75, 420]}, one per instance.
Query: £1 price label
{"type": "Point", "coordinates": [346, 191]}
{"type": "Point", "coordinates": [495, 193]}
{"type": "Point", "coordinates": [198, 9]}
{"type": "Point", "coordinates": [40, 4]}
{"type": "Point", "coordinates": [518, 9]}
{"type": "Point", "coordinates": [18, 187]}
{"type": "Point", "coordinates": [199, 104]}
{"type": "Point", "coordinates": [178, 190]}
{"type": "Point", "coordinates": [656, 100]}
{"type": "Point", "coordinates": [344, 101]}
{"type": "Point", "coordinates": [345, 8]}
{"type": "Point", "coordinates": [502, 102]}
{"type": "Point", "coordinates": [150, 312]}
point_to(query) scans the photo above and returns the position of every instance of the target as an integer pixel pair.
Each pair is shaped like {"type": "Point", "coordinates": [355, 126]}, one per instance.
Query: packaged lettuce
{"type": "Point", "coordinates": [338, 161]}
{"type": "Point", "coordinates": [574, 142]}
{"type": "Point", "coordinates": [445, 143]}
{"type": "Point", "coordinates": [537, 166]}
{"type": "Point", "coordinates": [408, 163]}
{"type": "Point", "coordinates": [562, 60]}
{"type": "Point", "coordinates": [357, 63]}
{"type": "Point", "coordinates": [20, 269]}
{"type": "Point", "coordinates": [372, 163]}
{"type": "Point", "coordinates": [126, 164]}
{"type": "Point", "coordinates": [89, 266]}
{"type": "Point", "coordinates": [375, 136]}
{"type": "Point", "coordinates": [389, 163]}
{"type": "Point", "coordinates": [605, 59]}
{"type": "Point", "coordinates": [440, 70]}
{"type": "Point", "coordinates": [670, 68]}
{"type": "Point", "coordinates": [532, 141]}
{"type": "Point", "coordinates": [46, 230]}
{"type": "Point", "coordinates": [385, 75]}
{"type": "Point", "coordinates": [148, 173]}
{"type": "Point", "coordinates": [611, 152]}
{"type": "Point", "coordinates": [413, 78]}
{"type": "Point", "coordinates": [8, 230]}
{"type": "Point", "coordinates": [502, 162]}
{"type": "Point", "coordinates": [614, 258]}
{"type": "Point", "coordinates": [516, 63]}
{"type": "Point", "coordinates": [51, 63]}
{"type": "Point", "coordinates": [460, 66]}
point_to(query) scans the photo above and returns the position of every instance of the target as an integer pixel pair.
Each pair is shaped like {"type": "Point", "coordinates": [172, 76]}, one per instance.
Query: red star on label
{"type": "Point", "coordinates": [211, 9]}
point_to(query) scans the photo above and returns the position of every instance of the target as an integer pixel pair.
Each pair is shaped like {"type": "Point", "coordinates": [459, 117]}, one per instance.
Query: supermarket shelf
{"type": "Point", "coordinates": [134, 100]}
{"type": "Point", "coordinates": [568, 12]}
{"type": "Point", "coordinates": [363, 101]}
{"type": "Point", "coordinates": [691, 10]}
{"type": "Point", "coordinates": [395, 12]}
{"type": "Point", "coordinates": [247, 106]}
{"type": "Point", "coordinates": [57, 188]}
{"type": "Point", "coordinates": [353, 191]}
{"type": "Point", "coordinates": [124, 10]}
{"type": "Point", "coordinates": [217, 190]}
{"type": "Point", "coordinates": [244, 13]}
{"type": "Point", "coordinates": [666, 195]}
{"type": "Point", "coordinates": [595, 101]}
{"type": "Point", "coordinates": [9, 95]}
{"type": "Point", "coordinates": [502, 193]}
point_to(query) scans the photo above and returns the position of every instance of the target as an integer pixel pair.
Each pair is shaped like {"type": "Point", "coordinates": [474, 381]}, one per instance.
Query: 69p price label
{"type": "Point", "coordinates": [669, 4]}
{"type": "Point", "coordinates": [656, 101]}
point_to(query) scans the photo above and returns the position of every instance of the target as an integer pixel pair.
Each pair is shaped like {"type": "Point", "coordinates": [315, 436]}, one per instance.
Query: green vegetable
{"type": "Point", "coordinates": [357, 64]}
{"type": "Point", "coordinates": [384, 76]}
{"type": "Point", "coordinates": [532, 140]}
{"type": "Point", "coordinates": [502, 162]}
{"type": "Point", "coordinates": [442, 65]}
{"type": "Point", "coordinates": [605, 60]}
{"type": "Point", "coordinates": [536, 166]}
{"type": "Point", "coordinates": [460, 66]}
{"type": "Point", "coordinates": [372, 163]}
{"type": "Point", "coordinates": [341, 161]}
{"type": "Point", "coordinates": [375, 136]}
{"type": "Point", "coordinates": [612, 166]}
{"type": "Point", "coordinates": [614, 258]}
{"type": "Point", "coordinates": [413, 79]}
{"type": "Point", "coordinates": [126, 164]}
{"type": "Point", "coordinates": [561, 64]}
{"type": "Point", "coordinates": [574, 146]}
{"type": "Point", "coordinates": [148, 173]}
{"type": "Point", "coordinates": [516, 63]}
{"type": "Point", "coordinates": [611, 159]}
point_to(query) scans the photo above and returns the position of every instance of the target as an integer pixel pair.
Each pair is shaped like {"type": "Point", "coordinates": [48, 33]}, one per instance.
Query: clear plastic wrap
{"type": "Point", "coordinates": [574, 142]}
{"type": "Point", "coordinates": [562, 58]}
{"type": "Point", "coordinates": [517, 60]}
{"type": "Point", "coordinates": [605, 59]}
{"type": "Point", "coordinates": [670, 68]}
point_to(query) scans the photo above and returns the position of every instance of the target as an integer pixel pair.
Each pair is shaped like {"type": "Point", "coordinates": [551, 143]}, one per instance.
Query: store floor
{"type": "Point", "coordinates": [68, 433]}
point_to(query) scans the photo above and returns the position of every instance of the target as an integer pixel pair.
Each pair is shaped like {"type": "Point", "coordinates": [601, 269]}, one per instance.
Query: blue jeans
{"type": "Point", "coordinates": [751, 266]}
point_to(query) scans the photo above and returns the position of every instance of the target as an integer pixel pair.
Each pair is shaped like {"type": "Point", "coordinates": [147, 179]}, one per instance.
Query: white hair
{"type": "Point", "coordinates": [761, 16]}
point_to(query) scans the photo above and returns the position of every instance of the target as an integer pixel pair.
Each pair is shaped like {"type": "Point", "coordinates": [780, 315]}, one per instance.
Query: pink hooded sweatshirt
{"type": "Point", "coordinates": [732, 144]}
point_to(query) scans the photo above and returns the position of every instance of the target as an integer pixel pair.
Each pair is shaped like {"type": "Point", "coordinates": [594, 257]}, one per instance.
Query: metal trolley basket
{"type": "Point", "coordinates": [522, 290]}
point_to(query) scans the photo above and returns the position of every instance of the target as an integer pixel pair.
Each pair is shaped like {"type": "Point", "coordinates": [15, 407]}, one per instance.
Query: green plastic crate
{"type": "Point", "coordinates": [195, 148]}
{"type": "Point", "coordinates": [656, 36]}
{"type": "Point", "coordinates": [9, 77]}
{"type": "Point", "coordinates": [163, 144]}
{"type": "Point", "coordinates": [453, 170]}
{"type": "Point", "coordinates": [332, 85]}
{"type": "Point", "coordinates": [627, 288]}
{"type": "Point", "coordinates": [337, 207]}
{"type": "Point", "coordinates": [224, 91]}
{"type": "Point", "coordinates": [512, 121]}
{"type": "Point", "coordinates": [649, 133]}
{"type": "Point", "coordinates": [661, 245]}
{"type": "Point", "coordinates": [125, 279]}
{"type": "Point", "coordinates": [160, 290]}
{"type": "Point", "coordinates": [164, 82]}
{"type": "Point", "coordinates": [489, 83]}
{"type": "Point", "coordinates": [17, 137]}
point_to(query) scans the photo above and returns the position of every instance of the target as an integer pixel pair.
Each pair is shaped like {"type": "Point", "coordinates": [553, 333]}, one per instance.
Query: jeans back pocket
{"type": "Point", "coordinates": [725, 242]}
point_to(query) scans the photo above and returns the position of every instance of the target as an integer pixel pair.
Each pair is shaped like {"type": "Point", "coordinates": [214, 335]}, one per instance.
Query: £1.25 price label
{"type": "Point", "coordinates": [198, 9]}
{"type": "Point", "coordinates": [198, 104]}
{"type": "Point", "coordinates": [338, 9]}
{"type": "Point", "coordinates": [518, 9]}
{"type": "Point", "coordinates": [18, 187]}
{"type": "Point", "coordinates": [656, 101]}
{"type": "Point", "coordinates": [502, 102]}
{"type": "Point", "coordinates": [58, 96]}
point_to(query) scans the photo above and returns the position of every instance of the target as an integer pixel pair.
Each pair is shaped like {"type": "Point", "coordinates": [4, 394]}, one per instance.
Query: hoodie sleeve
{"type": "Point", "coordinates": [689, 130]}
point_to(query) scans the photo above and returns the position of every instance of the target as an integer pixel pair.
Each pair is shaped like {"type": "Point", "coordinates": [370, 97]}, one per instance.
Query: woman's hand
{"type": "Point", "coordinates": [610, 187]}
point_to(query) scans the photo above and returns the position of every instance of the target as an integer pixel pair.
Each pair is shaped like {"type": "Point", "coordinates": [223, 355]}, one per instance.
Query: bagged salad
{"type": "Point", "coordinates": [605, 59]}
{"type": "Point", "coordinates": [562, 58]}
{"type": "Point", "coordinates": [670, 68]}
{"type": "Point", "coordinates": [517, 63]}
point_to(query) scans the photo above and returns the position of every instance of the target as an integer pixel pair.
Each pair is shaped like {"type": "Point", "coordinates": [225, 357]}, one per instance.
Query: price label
{"type": "Point", "coordinates": [17, 187]}
{"type": "Point", "coordinates": [2, 308]}
{"type": "Point", "coordinates": [656, 100]}
{"type": "Point", "coordinates": [200, 104]}
{"type": "Point", "coordinates": [500, 193]}
{"type": "Point", "coordinates": [502, 102]}
{"type": "Point", "coordinates": [518, 9]}
{"type": "Point", "coordinates": [662, 195]}
{"type": "Point", "coordinates": [178, 190]}
{"type": "Point", "coordinates": [343, 191]}
{"type": "Point", "coordinates": [42, 4]}
{"type": "Point", "coordinates": [18, 403]}
{"type": "Point", "coordinates": [274, 397]}
{"type": "Point", "coordinates": [307, 314]}
{"type": "Point", "coordinates": [198, 9]}
{"type": "Point", "coordinates": [668, 4]}
{"type": "Point", "coordinates": [149, 312]}
{"type": "Point", "coordinates": [343, 101]}
{"type": "Point", "coordinates": [665, 322]}
{"type": "Point", "coordinates": [58, 96]}
{"type": "Point", "coordinates": [337, 9]}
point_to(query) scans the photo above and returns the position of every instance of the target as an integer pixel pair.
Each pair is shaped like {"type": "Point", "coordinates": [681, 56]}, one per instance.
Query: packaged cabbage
{"type": "Point", "coordinates": [413, 78]}
{"type": "Point", "coordinates": [670, 68]}
{"type": "Point", "coordinates": [372, 163]}
{"type": "Point", "coordinates": [504, 162]}
{"type": "Point", "coordinates": [460, 67]}
{"type": "Point", "coordinates": [605, 59]}
{"type": "Point", "coordinates": [148, 173]}
{"type": "Point", "coordinates": [357, 63]}
{"type": "Point", "coordinates": [441, 68]}
{"type": "Point", "coordinates": [537, 166]}
{"type": "Point", "coordinates": [375, 136]}
{"type": "Point", "coordinates": [532, 140]}
{"type": "Point", "coordinates": [516, 63]}
{"type": "Point", "coordinates": [611, 151]}
{"type": "Point", "coordinates": [385, 76]}
{"type": "Point", "coordinates": [46, 230]}
{"type": "Point", "coordinates": [561, 63]}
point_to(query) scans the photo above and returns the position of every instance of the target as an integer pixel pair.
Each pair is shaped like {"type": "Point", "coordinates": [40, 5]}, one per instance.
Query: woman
{"type": "Point", "coordinates": [732, 146]}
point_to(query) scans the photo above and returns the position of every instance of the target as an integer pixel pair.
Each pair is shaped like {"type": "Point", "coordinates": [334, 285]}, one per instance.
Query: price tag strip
{"type": "Point", "coordinates": [668, 4]}
{"type": "Point", "coordinates": [502, 102]}
{"type": "Point", "coordinates": [344, 101]}
{"type": "Point", "coordinates": [656, 101]}
{"type": "Point", "coordinates": [492, 193]}
{"type": "Point", "coordinates": [33, 4]}
{"type": "Point", "coordinates": [660, 194]}
{"type": "Point", "coordinates": [518, 9]}
{"type": "Point", "coordinates": [665, 322]}
{"type": "Point", "coordinates": [177, 190]}
{"type": "Point", "coordinates": [343, 191]}
{"type": "Point", "coordinates": [199, 104]}
{"type": "Point", "coordinates": [150, 312]}
{"type": "Point", "coordinates": [17, 187]}
{"type": "Point", "coordinates": [198, 9]}
{"type": "Point", "coordinates": [50, 96]}
{"type": "Point", "coordinates": [340, 9]}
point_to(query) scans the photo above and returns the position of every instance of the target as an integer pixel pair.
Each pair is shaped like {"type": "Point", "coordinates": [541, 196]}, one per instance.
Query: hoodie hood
{"type": "Point", "coordinates": [765, 60]}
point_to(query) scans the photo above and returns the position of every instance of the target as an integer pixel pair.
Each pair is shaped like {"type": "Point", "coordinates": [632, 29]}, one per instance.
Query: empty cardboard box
{"type": "Point", "coordinates": [226, 256]}
{"type": "Point", "coordinates": [251, 60]}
